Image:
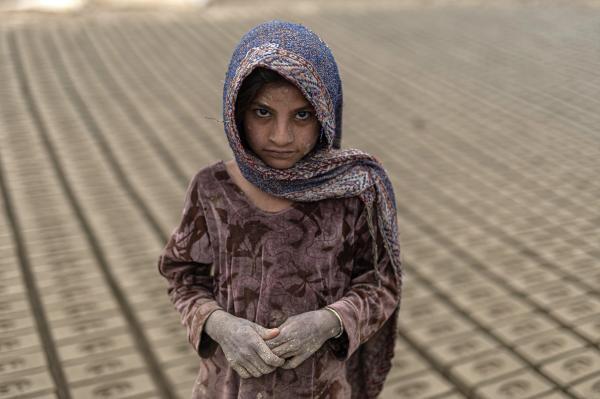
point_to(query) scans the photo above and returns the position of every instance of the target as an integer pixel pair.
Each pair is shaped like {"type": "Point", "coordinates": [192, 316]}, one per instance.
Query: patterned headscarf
{"type": "Point", "coordinates": [300, 56]}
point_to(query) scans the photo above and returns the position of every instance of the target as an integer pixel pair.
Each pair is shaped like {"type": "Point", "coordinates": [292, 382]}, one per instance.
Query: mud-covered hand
{"type": "Point", "coordinates": [302, 335]}
{"type": "Point", "coordinates": [243, 343]}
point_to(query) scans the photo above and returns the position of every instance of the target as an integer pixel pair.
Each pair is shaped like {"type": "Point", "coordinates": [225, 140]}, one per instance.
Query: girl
{"type": "Point", "coordinates": [285, 267]}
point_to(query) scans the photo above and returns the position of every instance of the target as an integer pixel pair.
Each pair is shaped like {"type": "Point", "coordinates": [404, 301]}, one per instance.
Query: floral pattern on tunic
{"type": "Point", "coordinates": [264, 266]}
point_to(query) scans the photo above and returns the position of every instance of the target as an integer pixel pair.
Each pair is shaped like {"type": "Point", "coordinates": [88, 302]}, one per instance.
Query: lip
{"type": "Point", "coordinates": [280, 154]}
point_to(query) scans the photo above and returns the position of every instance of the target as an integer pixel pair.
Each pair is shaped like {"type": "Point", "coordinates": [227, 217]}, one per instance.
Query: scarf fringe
{"type": "Point", "coordinates": [373, 232]}
{"type": "Point", "coordinates": [370, 199]}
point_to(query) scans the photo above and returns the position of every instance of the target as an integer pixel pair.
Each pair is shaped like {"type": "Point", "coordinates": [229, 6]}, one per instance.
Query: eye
{"type": "Point", "coordinates": [261, 112]}
{"type": "Point", "coordinates": [303, 115]}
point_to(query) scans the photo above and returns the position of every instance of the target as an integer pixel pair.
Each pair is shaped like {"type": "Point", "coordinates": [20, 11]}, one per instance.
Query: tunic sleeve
{"type": "Point", "coordinates": [366, 305]}
{"type": "Point", "coordinates": [185, 262]}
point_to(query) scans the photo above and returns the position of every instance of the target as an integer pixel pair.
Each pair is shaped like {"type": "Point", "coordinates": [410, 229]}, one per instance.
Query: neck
{"type": "Point", "coordinates": [259, 197]}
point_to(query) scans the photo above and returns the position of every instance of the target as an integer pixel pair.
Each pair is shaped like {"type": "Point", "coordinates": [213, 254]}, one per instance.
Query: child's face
{"type": "Point", "coordinates": [280, 124]}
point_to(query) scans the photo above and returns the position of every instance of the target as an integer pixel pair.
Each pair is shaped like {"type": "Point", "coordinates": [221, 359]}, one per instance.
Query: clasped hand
{"type": "Point", "coordinates": [253, 350]}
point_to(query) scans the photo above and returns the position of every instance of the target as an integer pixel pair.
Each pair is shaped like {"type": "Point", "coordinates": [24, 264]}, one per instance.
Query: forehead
{"type": "Point", "coordinates": [281, 93]}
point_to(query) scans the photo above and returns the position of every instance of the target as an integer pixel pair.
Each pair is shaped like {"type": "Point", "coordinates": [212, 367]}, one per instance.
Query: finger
{"type": "Point", "coordinates": [270, 333]}
{"type": "Point", "coordinates": [251, 369]}
{"type": "Point", "coordinates": [266, 333]}
{"type": "Point", "coordinates": [283, 351]}
{"type": "Point", "coordinates": [241, 371]}
{"type": "Point", "coordinates": [287, 349]}
{"type": "Point", "coordinates": [296, 361]}
{"type": "Point", "coordinates": [277, 341]}
{"type": "Point", "coordinates": [285, 334]}
{"type": "Point", "coordinates": [261, 366]}
{"type": "Point", "coordinates": [267, 356]}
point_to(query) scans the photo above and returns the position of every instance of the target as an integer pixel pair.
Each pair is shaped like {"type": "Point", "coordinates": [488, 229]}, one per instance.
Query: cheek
{"type": "Point", "coordinates": [252, 131]}
{"type": "Point", "coordinates": [307, 146]}
{"type": "Point", "coordinates": [310, 138]}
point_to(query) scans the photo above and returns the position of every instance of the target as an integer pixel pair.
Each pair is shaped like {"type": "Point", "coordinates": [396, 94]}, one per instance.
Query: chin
{"type": "Point", "coordinates": [279, 166]}
{"type": "Point", "coordinates": [280, 163]}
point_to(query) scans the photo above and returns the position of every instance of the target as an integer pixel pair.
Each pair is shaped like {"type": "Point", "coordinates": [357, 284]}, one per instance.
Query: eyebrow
{"type": "Point", "coordinates": [302, 108]}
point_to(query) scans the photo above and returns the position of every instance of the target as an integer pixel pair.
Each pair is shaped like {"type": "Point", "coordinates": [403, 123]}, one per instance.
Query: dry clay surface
{"type": "Point", "coordinates": [486, 118]}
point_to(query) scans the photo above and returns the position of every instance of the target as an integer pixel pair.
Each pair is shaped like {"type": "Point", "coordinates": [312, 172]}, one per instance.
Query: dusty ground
{"type": "Point", "coordinates": [486, 116]}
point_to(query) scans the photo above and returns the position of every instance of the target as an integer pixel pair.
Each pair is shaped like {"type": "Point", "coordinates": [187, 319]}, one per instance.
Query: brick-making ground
{"type": "Point", "coordinates": [486, 116]}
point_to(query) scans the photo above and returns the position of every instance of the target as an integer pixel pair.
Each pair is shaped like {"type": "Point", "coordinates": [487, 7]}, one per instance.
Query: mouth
{"type": "Point", "coordinates": [280, 154]}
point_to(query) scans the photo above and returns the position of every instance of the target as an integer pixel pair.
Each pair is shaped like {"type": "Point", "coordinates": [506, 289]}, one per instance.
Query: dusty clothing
{"type": "Point", "coordinates": [267, 266]}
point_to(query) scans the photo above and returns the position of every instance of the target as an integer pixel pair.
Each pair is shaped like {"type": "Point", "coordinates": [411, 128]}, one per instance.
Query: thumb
{"type": "Point", "coordinates": [266, 333]}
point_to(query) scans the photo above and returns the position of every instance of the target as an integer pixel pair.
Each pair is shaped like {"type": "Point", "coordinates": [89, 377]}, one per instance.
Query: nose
{"type": "Point", "coordinates": [282, 133]}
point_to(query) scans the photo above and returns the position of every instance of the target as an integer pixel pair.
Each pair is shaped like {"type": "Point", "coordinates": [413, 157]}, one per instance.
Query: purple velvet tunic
{"type": "Point", "coordinates": [266, 266]}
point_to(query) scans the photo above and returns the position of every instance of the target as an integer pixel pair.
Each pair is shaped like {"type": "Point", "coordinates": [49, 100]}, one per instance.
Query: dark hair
{"type": "Point", "coordinates": [248, 90]}
{"type": "Point", "coordinates": [250, 87]}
